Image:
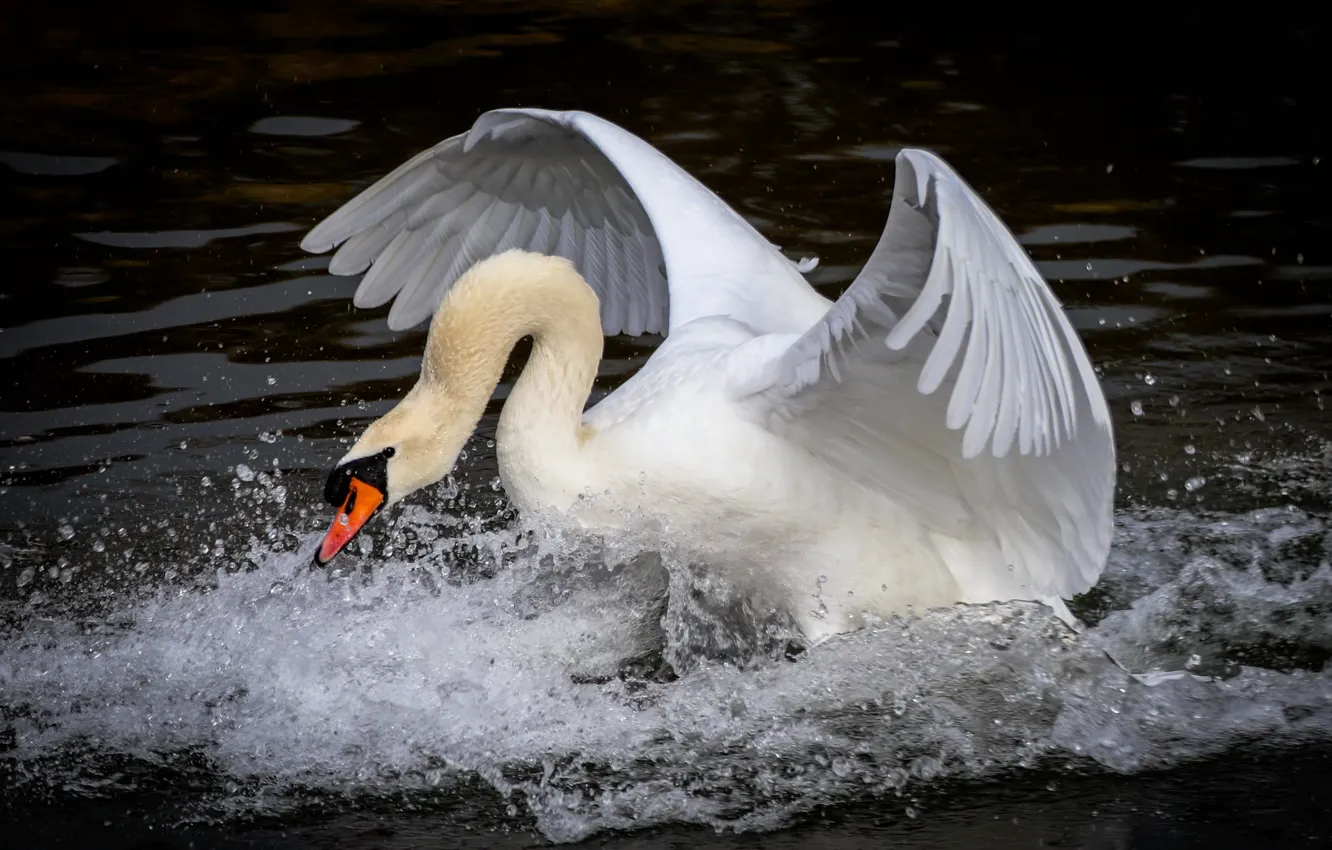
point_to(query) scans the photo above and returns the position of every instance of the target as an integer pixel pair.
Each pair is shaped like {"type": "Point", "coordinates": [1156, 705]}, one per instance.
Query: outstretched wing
{"type": "Point", "coordinates": [658, 247]}
{"type": "Point", "coordinates": [950, 324]}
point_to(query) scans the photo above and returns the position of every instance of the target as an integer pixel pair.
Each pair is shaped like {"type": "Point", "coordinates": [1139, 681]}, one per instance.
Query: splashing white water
{"type": "Point", "coordinates": [291, 680]}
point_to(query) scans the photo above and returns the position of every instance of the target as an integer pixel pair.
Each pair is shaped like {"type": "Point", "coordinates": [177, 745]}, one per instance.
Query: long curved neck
{"type": "Point", "coordinates": [540, 431]}
{"type": "Point", "coordinates": [497, 303]}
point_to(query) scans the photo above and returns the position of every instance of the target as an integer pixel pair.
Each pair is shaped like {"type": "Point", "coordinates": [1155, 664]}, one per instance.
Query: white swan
{"type": "Point", "coordinates": [936, 435]}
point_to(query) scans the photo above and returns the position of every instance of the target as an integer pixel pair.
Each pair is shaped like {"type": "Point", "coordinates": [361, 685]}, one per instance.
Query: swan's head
{"type": "Point", "coordinates": [414, 445]}
{"type": "Point", "coordinates": [498, 301]}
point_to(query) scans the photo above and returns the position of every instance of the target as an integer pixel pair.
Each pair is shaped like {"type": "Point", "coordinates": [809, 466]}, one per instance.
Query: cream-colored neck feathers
{"type": "Point", "coordinates": [497, 302]}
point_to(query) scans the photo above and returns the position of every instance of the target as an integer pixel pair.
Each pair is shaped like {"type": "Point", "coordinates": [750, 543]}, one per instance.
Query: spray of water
{"type": "Point", "coordinates": [604, 684]}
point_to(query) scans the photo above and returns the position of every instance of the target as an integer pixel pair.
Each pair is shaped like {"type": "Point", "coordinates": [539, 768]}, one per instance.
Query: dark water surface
{"type": "Point", "coordinates": [177, 376]}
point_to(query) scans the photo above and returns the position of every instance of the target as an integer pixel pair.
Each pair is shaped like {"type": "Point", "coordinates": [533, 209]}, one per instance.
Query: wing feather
{"type": "Point", "coordinates": [950, 306]}
{"type": "Point", "coordinates": [358, 252]}
{"type": "Point", "coordinates": [658, 247]}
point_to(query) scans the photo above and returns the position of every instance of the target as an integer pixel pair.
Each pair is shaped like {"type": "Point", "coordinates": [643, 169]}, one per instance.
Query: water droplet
{"type": "Point", "coordinates": [1149, 380]}
{"type": "Point", "coordinates": [267, 437]}
{"type": "Point", "coordinates": [909, 811]}
{"type": "Point", "coordinates": [66, 532]}
{"type": "Point", "coordinates": [25, 578]}
{"type": "Point", "coordinates": [1172, 494]}
{"type": "Point", "coordinates": [1258, 414]}
{"type": "Point", "coordinates": [1190, 449]}
{"type": "Point", "coordinates": [1195, 483]}
{"type": "Point", "coordinates": [244, 473]}
{"type": "Point", "coordinates": [271, 380]}
{"type": "Point", "coordinates": [1136, 407]}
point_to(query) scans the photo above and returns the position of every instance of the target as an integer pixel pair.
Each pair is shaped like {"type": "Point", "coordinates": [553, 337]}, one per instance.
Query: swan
{"type": "Point", "coordinates": [936, 435]}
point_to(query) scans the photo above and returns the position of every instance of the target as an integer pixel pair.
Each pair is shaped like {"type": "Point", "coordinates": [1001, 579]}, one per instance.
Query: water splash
{"type": "Point", "coordinates": [529, 675]}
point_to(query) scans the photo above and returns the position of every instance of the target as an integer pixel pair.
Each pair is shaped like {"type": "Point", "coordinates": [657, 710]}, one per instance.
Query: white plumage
{"type": "Point", "coordinates": [935, 435]}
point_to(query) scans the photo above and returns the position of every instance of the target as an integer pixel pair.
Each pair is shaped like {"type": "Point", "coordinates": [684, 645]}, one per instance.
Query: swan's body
{"type": "Point", "coordinates": [799, 445]}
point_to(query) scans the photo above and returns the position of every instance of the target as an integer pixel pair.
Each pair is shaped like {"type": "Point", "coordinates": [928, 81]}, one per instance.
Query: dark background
{"type": "Point", "coordinates": [170, 360]}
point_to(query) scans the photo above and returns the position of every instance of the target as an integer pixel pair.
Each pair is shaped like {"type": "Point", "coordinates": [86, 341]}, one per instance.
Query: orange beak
{"type": "Point", "coordinates": [361, 503]}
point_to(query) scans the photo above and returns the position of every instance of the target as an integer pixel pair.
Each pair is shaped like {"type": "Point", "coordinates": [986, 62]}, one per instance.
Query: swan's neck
{"type": "Point", "coordinates": [540, 435]}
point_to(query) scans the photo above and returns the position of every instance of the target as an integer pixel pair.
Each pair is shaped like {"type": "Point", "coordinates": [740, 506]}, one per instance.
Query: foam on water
{"type": "Point", "coordinates": [286, 682]}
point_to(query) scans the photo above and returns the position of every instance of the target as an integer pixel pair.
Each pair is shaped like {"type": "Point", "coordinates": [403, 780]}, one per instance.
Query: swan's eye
{"type": "Point", "coordinates": [372, 470]}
